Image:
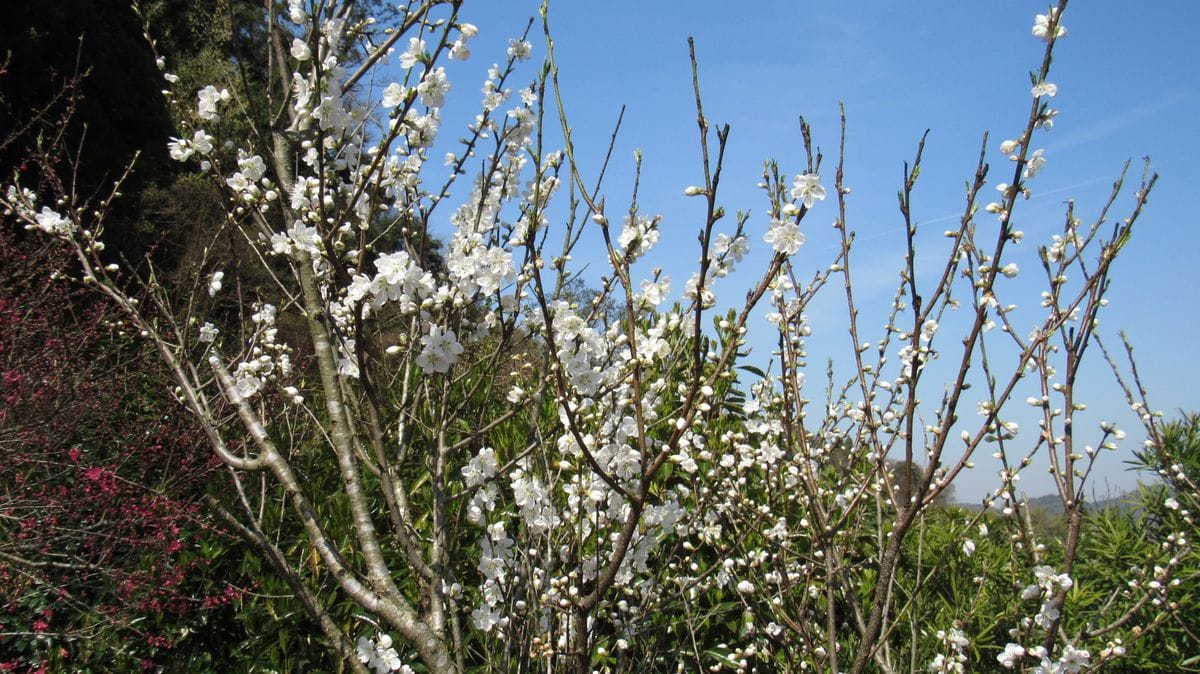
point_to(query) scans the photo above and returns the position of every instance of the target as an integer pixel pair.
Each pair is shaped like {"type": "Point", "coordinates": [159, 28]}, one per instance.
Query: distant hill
{"type": "Point", "coordinates": [1050, 502]}
{"type": "Point", "coordinates": [1125, 501]}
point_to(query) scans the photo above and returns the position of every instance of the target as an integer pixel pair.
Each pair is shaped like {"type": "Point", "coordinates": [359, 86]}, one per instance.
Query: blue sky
{"type": "Point", "coordinates": [1128, 88]}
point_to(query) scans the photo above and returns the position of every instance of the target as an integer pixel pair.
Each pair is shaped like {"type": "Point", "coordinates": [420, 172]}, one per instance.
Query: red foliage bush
{"type": "Point", "coordinates": [100, 476]}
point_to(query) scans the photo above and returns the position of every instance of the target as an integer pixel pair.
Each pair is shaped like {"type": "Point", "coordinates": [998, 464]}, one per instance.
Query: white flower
{"type": "Point", "coordinates": [202, 142]}
{"type": "Point", "coordinates": [300, 50]}
{"type": "Point", "coordinates": [485, 618]}
{"type": "Point", "coordinates": [784, 237]}
{"type": "Point", "coordinates": [1010, 270]}
{"type": "Point", "coordinates": [519, 49]}
{"type": "Point", "coordinates": [807, 188]}
{"type": "Point", "coordinates": [1034, 164]}
{"type": "Point", "coordinates": [281, 244]}
{"type": "Point", "coordinates": [209, 97]}
{"type": "Point", "coordinates": [957, 639]}
{"type": "Point", "coordinates": [1046, 120]}
{"type": "Point", "coordinates": [1171, 504]}
{"type": "Point", "coordinates": [433, 88]}
{"type": "Point", "coordinates": [638, 235]}
{"type": "Point", "coordinates": [393, 95]}
{"type": "Point", "coordinates": [1009, 146]}
{"type": "Point", "coordinates": [1047, 614]}
{"type": "Point", "coordinates": [441, 350]}
{"type": "Point", "coordinates": [303, 238]}
{"type": "Point", "coordinates": [745, 587]}
{"type": "Point", "coordinates": [1047, 89]}
{"type": "Point", "coordinates": [214, 283]}
{"type": "Point", "coordinates": [265, 315]}
{"type": "Point", "coordinates": [379, 655]}
{"type": "Point", "coordinates": [388, 660]}
{"type": "Point", "coordinates": [208, 333]}
{"type": "Point", "coordinates": [459, 51]}
{"type": "Point", "coordinates": [411, 56]}
{"type": "Point", "coordinates": [1041, 27]}
{"type": "Point", "coordinates": [297, 15]}
{"type": "Point", "coordinates": [348, 360]}
{"type": "Point", "coordinates": [422, 129]}
{"type": "Point", "coordinates": [733, 249]}
{"type": "Point", "coordinates": [24, 199]}
{"type": "Point", "coordinates": [248, 383]}
{"type": "Point", "coordinates": [1073, 659]}
{"type": "Point", "coordinates": [928, 329]}
{"type": "Point", "coordinates": [51, 222]}
{"type": "Point", "coordinates": [656, 293]}
{"type": "Point", "coordinates": [366, 650]}
{"type": "Point", "coordinates": [1011, 655]}
{"type": "Point", "coordinates": [481, 468]}
{"type": "Point", "coordinates": [968, 548]}
{"type": "Point", "coordinates": [179, 149]}
{"type": "Point", "coordinates": [253, 168]}
{"type": "Point", "coordinates": [693, 291]}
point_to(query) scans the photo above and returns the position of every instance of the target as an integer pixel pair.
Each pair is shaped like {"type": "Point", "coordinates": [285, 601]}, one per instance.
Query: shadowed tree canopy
{"type": "Point", "coordinates": [96, 47]}
{"type": "Point", "coordinates": [95, 55]}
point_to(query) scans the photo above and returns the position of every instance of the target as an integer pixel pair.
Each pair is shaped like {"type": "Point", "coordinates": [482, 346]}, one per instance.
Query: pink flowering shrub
{"type": "Point", "coordinates": [99, 503]}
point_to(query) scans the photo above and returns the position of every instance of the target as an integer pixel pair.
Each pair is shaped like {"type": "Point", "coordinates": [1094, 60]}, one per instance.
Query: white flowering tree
{"type": "Point", "coordinates": [495, 478]}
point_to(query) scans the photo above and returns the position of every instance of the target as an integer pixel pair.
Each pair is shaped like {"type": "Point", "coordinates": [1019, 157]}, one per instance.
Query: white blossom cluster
{"type": "Point", "coordinates": [953, 658]}
{"type": "Point", "coordinates": [57, 222]}
{"type": "Point", "coordinates": [380, 655]}
{"type": "Point", "coordinates": [345, 175]}
{"type": "Point", "coordinates": [269, 359]}
{"type": "Point", "coordinates": [1046, 588]}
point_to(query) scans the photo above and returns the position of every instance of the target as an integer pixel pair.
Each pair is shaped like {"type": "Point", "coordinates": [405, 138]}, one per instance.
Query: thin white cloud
{"type": "Point", "coordinates": [1103, 128]}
